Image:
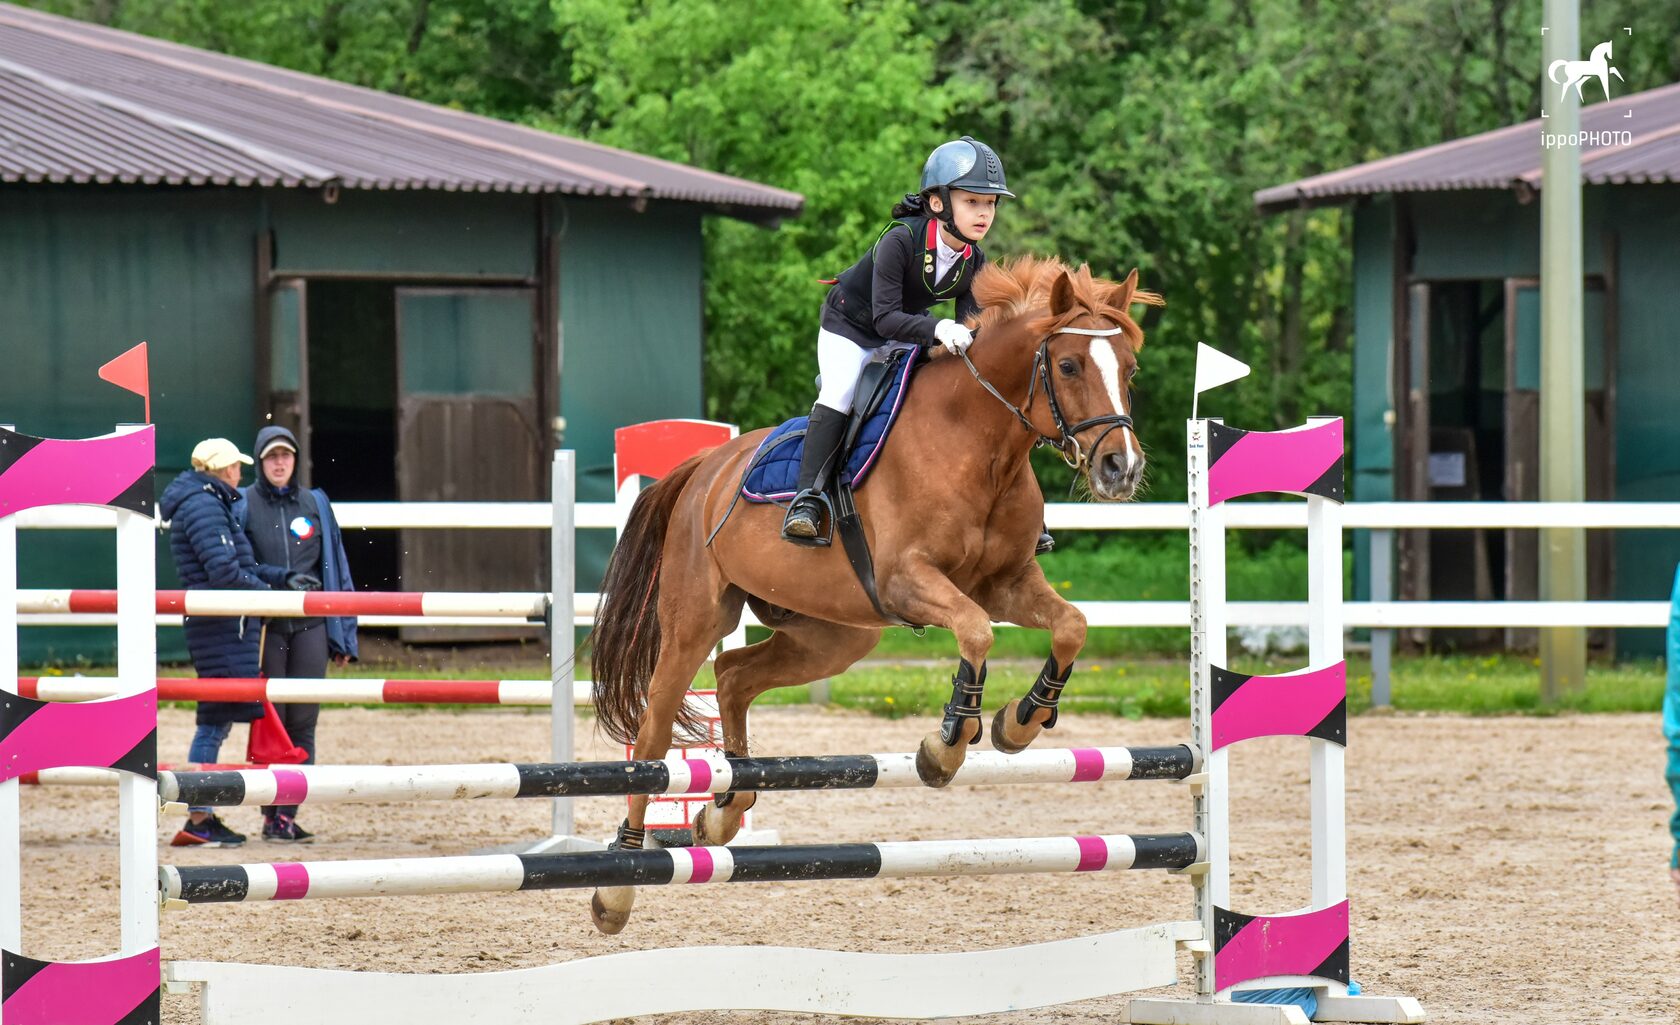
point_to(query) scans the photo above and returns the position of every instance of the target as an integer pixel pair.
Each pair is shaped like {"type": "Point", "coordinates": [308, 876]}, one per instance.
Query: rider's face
{"type": "Point", "coordinates": [973, 212]}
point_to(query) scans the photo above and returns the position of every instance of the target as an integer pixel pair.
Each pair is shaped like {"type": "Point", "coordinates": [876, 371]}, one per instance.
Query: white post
{"type": "Point", "coordinates": [1324, 647]}
{"type": "Point", "coordinates": [11, 849]}
{"type": "Point", "coordinates": [1207, 649]}
{"type": "Point", "coordinates": [562, 553]}
{"type": "Point", "coordinates": [136, 673]}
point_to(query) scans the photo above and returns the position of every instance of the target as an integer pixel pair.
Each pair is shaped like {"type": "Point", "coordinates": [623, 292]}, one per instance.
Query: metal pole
{"type": "Point", "coordinates": [1382, 639]}
{"type": "Point", "coordinates": [1563, 562]}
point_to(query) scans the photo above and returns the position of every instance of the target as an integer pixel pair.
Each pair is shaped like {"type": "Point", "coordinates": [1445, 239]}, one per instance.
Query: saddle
{"type": "Point", "coordinates": [774, 467]}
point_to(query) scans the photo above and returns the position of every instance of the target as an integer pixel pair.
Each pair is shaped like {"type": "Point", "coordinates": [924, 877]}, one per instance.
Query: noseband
{"type": "Point", "coordinates": [1068, 443]}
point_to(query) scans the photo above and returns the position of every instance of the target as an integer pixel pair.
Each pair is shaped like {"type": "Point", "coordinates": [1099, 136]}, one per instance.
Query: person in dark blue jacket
{"type": "Point", "coordinates": [293, 529]}
{"type": "Point", "coordinates": [212, 552]}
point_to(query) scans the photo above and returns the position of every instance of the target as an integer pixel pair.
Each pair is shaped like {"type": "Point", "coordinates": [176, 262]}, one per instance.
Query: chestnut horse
{"type": "Point", "coordinates": [952, 512]}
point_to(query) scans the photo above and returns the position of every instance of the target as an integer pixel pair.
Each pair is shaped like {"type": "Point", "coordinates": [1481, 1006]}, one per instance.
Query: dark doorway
{"type": "Point", "coordinates": [353, 413]}
{"type": "Point", "coordinates": [1469, 431]}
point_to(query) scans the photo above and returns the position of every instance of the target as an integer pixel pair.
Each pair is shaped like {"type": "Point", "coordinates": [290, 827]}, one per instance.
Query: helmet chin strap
{"type": "Point", "coordinates": [947, 218]}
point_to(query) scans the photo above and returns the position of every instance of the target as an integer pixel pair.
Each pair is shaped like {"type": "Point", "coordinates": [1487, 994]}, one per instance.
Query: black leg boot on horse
{"type": "Point", "coordinates": [941, 754]}
{"type": "Point", "coordinates": [1019, 723]}
{"type": "Point", "coordinates": [803, 525]}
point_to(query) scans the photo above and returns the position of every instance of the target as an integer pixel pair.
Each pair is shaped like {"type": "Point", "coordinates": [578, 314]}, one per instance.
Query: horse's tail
{"type": "Point", "coordinates": [626, 634]}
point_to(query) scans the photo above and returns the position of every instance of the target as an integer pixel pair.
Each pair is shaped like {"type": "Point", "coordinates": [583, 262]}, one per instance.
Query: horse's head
{"type": "Point", "coordinates": [1086, 353]}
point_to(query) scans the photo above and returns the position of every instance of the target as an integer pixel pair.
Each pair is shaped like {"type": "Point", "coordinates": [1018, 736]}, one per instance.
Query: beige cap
{"type": "Point", "coordinates": [214, 454]}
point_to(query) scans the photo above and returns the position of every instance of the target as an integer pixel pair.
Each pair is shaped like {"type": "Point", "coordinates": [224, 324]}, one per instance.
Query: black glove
{"type": "Point", "coordinates": [302, 582]}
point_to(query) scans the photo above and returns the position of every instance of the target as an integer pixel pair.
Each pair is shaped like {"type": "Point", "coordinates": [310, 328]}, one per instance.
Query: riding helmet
{"type": "Point", "coordinates": [966, 164]}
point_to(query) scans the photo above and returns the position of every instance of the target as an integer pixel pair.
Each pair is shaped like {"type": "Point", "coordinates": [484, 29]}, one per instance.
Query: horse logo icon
{"type": "Point", "coordinates": [1596, 66]}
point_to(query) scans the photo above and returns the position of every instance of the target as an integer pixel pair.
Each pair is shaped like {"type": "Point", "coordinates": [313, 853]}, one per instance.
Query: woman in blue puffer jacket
{"type": "Point", "coordinates": [211, 552]}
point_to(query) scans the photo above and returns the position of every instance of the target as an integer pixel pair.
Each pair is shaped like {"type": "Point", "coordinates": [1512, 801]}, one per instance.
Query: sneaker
{"type": "Point", "coordinates": [284, 829]}
{"type": "Point", "coordinates": [212, 832]}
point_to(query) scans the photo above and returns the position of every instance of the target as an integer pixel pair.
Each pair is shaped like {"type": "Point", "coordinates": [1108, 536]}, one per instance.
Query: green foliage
{"type": "Point", "coordinates": [1135, 131]}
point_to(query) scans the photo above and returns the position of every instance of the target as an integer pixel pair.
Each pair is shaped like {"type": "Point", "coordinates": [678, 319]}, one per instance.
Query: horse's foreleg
{"type": "Point", "coordinates": [1029, 600]}
{"type": "Point", "coordinates": [922, 594]}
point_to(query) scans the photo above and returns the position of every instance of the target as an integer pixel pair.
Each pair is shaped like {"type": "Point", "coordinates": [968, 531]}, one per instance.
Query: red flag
{"type": "Point", "coordinates": [129, 371]}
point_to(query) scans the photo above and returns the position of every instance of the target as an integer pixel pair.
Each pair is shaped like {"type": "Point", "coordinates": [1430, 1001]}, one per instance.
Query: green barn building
{"type": "Point", "coordinates": [1446, 266]}
{"type": "Point", "coordinates": [430, 298]}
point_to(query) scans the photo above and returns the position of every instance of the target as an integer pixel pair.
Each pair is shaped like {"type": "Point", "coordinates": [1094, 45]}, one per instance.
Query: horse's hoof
{"type": "Point", "coordinates": [715, 827]}
{"type": "Point", "coordinates": [937, 762]}
{"type": "Point", "coordinates": [1008, 735]}
{"type": "Point", "coordinates": [610, 906]}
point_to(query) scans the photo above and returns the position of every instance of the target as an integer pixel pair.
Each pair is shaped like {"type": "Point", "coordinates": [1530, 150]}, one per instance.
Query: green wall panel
{"type": "Point", "coordinates": [631, 333]}
{"type": "Point", "coordinates": [91, 272]}
{"type": "Point", "coordinates": [462, 341]}
{"type": "Point", "coordinates": [415, 234]}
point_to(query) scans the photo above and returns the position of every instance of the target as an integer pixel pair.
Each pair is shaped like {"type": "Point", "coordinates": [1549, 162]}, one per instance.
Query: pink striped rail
{"type": "Point", "coordinates": [532, 606]}
{"type": "Point", "coordinates": [304, 691]}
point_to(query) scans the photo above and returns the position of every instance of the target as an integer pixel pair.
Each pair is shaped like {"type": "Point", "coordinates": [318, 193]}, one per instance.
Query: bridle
{"type": "Point", "coordinates": [1068, 443]}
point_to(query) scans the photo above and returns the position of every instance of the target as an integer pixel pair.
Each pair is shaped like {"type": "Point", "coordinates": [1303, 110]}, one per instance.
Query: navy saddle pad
{"type": "Point", "coordinates": [775, 466]}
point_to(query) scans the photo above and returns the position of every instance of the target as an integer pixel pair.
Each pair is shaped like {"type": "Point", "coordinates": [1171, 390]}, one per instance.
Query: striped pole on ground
{"type": "Point", "coordinates": [710, 775]}
{"type": "Point", "coordinates": [311, 691]}
{"type": "Point", "coordinates": [495, 873]}
{"type": "Point", "coordinates": [532, 606]}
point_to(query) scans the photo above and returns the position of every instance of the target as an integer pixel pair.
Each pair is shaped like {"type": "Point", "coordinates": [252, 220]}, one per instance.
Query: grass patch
{"type": "Point", "coordinates": [1159, 687]}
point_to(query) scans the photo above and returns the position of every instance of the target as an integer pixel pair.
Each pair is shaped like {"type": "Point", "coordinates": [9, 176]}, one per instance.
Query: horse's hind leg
{"type": "Point", "coordinates": [686, 638]}
{"type": "Point", "coordinates": [1028, 600]}
{"type": "Point", "coordinates": [800, 651]}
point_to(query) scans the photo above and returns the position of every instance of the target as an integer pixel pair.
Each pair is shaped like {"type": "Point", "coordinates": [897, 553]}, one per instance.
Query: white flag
{"type": "Point", "coordinates": [1214, 368]}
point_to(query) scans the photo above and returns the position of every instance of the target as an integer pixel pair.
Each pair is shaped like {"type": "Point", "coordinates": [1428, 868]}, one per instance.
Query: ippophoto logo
{"type": "Point", "coordinates": [1573, 75]}
{"type": "Point", "coordinates": [1576, 73]}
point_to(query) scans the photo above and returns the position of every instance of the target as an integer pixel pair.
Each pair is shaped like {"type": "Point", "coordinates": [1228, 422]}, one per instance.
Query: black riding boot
{"type": "Point", "coordinates": [822, 437]}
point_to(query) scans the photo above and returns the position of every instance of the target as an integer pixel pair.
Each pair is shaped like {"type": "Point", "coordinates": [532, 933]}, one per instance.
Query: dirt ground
{"type": "Point", "coordinates": [1503, 871]}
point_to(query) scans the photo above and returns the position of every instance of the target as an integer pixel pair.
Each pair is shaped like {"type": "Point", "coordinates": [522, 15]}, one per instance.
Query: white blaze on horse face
{"type": "Point", "coordinates": [1102, 354]}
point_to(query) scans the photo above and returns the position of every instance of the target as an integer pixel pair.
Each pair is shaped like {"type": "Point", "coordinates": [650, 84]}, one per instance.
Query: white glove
{"type": "Point", "coordinates": [953, 336]}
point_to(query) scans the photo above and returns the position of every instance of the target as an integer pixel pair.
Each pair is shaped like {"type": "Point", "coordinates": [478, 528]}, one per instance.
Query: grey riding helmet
{"type": "Point", "coordinates": [965, 164]}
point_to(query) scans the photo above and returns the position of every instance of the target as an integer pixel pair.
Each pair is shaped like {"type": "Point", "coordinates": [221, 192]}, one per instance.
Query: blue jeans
{"type": "Point", "coordinates": [207, 746]}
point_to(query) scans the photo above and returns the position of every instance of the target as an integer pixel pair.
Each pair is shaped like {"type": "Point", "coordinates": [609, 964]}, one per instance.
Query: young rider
{"type": "Point", "coordinates": [929, 254]}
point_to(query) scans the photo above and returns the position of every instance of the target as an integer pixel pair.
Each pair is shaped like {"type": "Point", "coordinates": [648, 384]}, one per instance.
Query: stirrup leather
{"type": "Point", "coordinates": [1046, 693]}
{"type": "Point", "coordinates": [966, 690]}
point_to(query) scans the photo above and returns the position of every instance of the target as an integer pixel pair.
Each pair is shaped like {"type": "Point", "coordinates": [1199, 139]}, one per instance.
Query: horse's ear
{"type": "Point", "coordinates": [1120, 296]}
{"type": "Point", "coordinates": [1061, 294]}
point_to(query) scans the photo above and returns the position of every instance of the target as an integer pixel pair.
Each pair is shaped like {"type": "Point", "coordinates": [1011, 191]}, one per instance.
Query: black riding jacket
{"type": "Point", "coordinates": [885, 296]}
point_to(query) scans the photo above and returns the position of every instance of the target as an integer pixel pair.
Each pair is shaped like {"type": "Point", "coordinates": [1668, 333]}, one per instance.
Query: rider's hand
{"type": "Point", "coordinates": [302, 582]}
{"type": "Point", "coordinates": [953, 336]}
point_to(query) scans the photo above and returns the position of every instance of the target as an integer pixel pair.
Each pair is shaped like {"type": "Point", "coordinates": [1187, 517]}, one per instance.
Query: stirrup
{"type": "Point", "coordinates": [1046, 543]}
{"type": "Point", "coordinates": [825, 506]}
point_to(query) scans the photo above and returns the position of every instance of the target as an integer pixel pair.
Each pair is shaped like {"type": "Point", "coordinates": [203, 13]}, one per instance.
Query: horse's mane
{"type": "Point", "coordinates": [1021, 287]}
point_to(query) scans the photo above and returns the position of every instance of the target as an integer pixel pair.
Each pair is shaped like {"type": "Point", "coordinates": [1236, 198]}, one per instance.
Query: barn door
{"type": "Point", "coordinates": [288, 364]}
{"type": "Point", "coordinates": [1522, 441]}
{"type": "Point", "coordinates": [468, 431]}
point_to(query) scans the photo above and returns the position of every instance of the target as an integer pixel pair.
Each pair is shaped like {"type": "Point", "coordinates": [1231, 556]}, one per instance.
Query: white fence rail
{"type": "Point", "coordinates": [1380, 517]}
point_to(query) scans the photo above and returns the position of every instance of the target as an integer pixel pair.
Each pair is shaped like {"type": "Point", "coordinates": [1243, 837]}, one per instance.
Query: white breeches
{"type": "Point", "coordinates": [840, 360]}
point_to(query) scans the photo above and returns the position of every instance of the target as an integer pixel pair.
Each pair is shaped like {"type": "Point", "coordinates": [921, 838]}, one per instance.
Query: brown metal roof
{"type": "Point", "coordinates": [1509, 158]}
{"type": "Point", "coordinates": [88, 104]}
